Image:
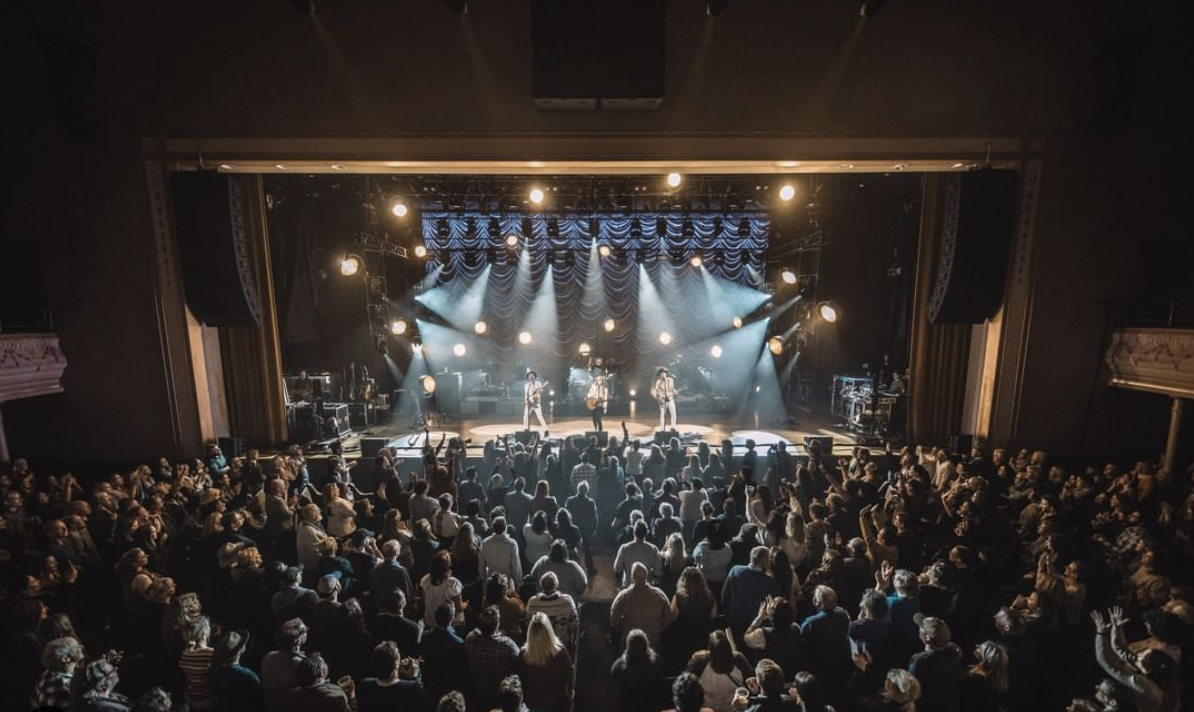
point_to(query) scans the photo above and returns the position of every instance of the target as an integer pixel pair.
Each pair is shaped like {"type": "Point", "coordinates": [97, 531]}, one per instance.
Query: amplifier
{"type": "Point", "coordinates": [339, 411]}
{"type": "Point", "coordinates": [371, 446]}
{"type": "Point", "coordinates": [663, 436]}
{"type": "Point", "coordinates": [361, 415]}
{"type": "Point", "coordinates": [602, 437]}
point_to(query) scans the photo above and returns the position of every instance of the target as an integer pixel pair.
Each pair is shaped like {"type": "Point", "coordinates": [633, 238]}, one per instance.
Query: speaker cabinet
{"type": "Point", "coordinates": [447, 392]}
{"type": "Point", "coordinates": [370, 447]}
{"type": "Point", "coordinates": [980, 215]}
{"type": "Point", "coordinates": [602, 437]}
{"type": "Point", "coordinates": [825, 441]}
{"type": "Point", "coordinates": [663, 436]}
{"type": "Point", "coordinates": [210, 214]}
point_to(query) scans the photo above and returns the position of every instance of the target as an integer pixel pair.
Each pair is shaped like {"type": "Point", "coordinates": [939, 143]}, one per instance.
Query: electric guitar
{"type": "Point", "coordinates": [664, 400]}
{"type": "Point", "coordinates": [533, 394]}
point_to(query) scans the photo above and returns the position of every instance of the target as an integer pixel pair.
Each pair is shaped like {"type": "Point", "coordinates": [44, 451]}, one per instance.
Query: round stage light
{"type": "Point", "coordinates": [665, 338]}
{"type": "Point", "coordinates": [428, 384]}
{"type": "Point", "coordinates": [604, 251]}
{"type": "Point", "coordinates": [459, 349]}
{"type": "Point", "coordinates": [828, 311]}
{"type": "Point", "coordinates": [350, 265]}
{"type": "Point", "coordinates": [511, 240]}
{"type": "Point", "coordinates": [776, 345]}
{"type": "Point", "coordinates": [787, 192]}
{"type": "Point", "coordinates": [788, 276]}
{"type": "Point", "coordinates": [536, 195]}
{"type": "Point", "coordinates": [609, 325]}
{"type": "Point", "coordinates": [524, 338]}
{"type": "Point", "coordinates": [737, 322]}
{"type": "Point", "coordinates": [633, 393]}
{"type": "Point", "coordinates": [420, 250]}
{"type": "Point", "coordinates": [399, 209]}
{"type": "Point", "coordinates": [480, 327]}
{"type": "Point", "coordinates": [674, 180]}
{"type": "Point", "coordinates": [398, 327]}
{"type": "Point", "coordinates": [715, 352]}
{"type": "Point", "coordinates": [585, 349]}
{"type": "Point", "coordinates": [696, 261]}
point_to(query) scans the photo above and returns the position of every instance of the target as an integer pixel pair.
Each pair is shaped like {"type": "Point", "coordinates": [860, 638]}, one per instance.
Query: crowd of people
{"type": "Point", "coordinates": [915, 579]}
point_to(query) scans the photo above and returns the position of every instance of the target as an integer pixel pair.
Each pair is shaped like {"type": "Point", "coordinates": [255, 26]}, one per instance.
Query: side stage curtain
{"type": "Point", "coordinates": [940, 352]}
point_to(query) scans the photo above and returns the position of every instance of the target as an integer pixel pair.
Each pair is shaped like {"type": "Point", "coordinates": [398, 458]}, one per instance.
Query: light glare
{"type": "Point", "coordinates": [524, 338]}
{"type": "Point", "coordinates": [715, 352]}
{"type": "Point", "coordinates": [420, 251]}
{"type": "Point", "coordinates": [350, 265]}
{"type": "Point", "coordinates": [398, 327]}
{"type": "Point", "coordinates": [674, 179]}
{"type": "Point", "coordinates": [665, 338]}
{"type": "Point", "coordinates": [609, 324]}
{"type": "Point", "coordinates": [536, 195]}
{"type": "Point", "coordinates": [787, 192]}
{"type": "Point", "coordinates": [480, 327]}
{"type": "Point", "coordinates": [458, 349]}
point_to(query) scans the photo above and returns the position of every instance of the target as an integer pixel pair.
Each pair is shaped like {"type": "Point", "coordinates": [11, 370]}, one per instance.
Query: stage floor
{"type": "Point", "coordinates": [712, 428]}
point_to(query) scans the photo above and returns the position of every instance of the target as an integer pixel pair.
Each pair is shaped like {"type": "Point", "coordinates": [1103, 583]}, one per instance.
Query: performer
{"type": "Point", "coordinates": [664, 392]}
{"type": "Point", "coordinates": [303, 389]}
{"type": "Point", "coordinates": [532, 392]}
{"type": "Point", "coordinates": [597, 398]}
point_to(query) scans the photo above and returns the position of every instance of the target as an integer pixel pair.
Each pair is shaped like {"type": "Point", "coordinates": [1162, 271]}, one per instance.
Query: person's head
{"type": "Point", "coordinates": [328, 587]}
{"type": "Point", "coordinates": [902, 688]}
{"type": "Point", "coordinates": [1157, 666]}
{"type": "Point", "coordinates": [155, 699]}
{"type": "Point", "coordinates": [198, 632]}
{"type": "Point", "coordinates": [499, 525]}
{"type": "Point", "coordinates": [542, 489]}
{"type": "Point", "coordinates": [640, 530]}
{"type": "Point", "coordinates": [62, 655]}
{"type": "Point", "coordinates": [99, 678]}
{"type": "Point", "coordinates": [582, 489]}
{"type": "Point", "coordinates": [687, 693]}
{"type": "Point", "coordinates": [810, 691]}
{"type": "Point", "coordinates": [451, 702]}
{"type": "Point", "coordinates": [824, 598]}
{"type": "Point", "coordinates": [489, 621]}
{"type": "Point", "coordinates": [993, 665]}
{"type": "Point", "coordinates": [542, 644]}
{"type": "Point", "coordinates": [760, 558]}
{"type": "Point", "coordinates": [509, 694]}
{"type": "Point", "coordinates": [443, 616]}
{"type": "Point", "coordinates": [638, 574]}
{"type": "Point", "coordinates": [531, 375]}
{"type": "Point", "coordinates": [907, 585]}
{"type": "Point", "coordinates": [934, 633]}
{"type": "Point", "coordinates": [549, 583]}
{"type": "Point", "coordinates": [721, 652]}
{"type": "Point", "coordinates": [311, 670]}
{"type": "Point", "coordinates": [1009, 621]}
{"type": "Point", "coordinates": [638, 646]}
{"type": "Point", "coordinates": [384, 660]}
{"type": "Point", "coordinates": [441, 567]}
{"type": "Point", "coordinates": [393, 602]}
{"type": "Point", "coordinates": [874, 605]}
{"type": "Point", "coordinates": [539, 522]}
{"type": "Point", "coordinates": [292, 634]}
{"type": "Point", "coordinates": [771, 677]}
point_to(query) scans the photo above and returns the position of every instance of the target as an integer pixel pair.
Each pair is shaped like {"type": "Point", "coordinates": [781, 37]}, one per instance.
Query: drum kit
{"type": "Point", "coordinates": [861, 408]}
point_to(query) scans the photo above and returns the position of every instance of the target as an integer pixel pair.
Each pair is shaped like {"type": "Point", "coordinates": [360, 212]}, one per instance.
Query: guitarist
{"type": "Point", "coordinates": [664, 392]}
{"type": "Point", "coordinates": [597, 398]}
{"type": "Point", "coordinates": [532, 391]}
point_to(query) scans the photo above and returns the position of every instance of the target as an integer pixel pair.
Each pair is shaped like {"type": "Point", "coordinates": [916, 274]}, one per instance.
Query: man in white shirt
{"type": "Point", "coordinates": [532, 392]}
{"type": "Point", "coordinates": [639, 551]}
{"type": "Point", "coordinates": [499, 554]}
{"type": "Point", "coordinates": [664, 392]}
{"type": "Point", "coordinates": [634, 456]}
{"type": "Point", "coordinates": [311, 541]}
{"type": "Point", "coordinates": [559, 608]}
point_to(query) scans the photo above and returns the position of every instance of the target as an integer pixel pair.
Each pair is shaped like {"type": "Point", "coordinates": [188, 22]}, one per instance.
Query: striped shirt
{"type": "Point", "coordinates": [196, 667]}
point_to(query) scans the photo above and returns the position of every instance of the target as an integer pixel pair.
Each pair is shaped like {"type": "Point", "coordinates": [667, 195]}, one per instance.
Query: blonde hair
{"type": "Point", "coordinates": [673, 551]}
{"type": "Point", "coordinates": [542, 644]}
{"type": "Point", "coordinates": [902, 688]}
{"type": "Point", "coordinates": [993, 665]}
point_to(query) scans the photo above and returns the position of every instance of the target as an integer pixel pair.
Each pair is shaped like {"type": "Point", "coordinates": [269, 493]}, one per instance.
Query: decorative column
{"type": "Point", "coordinates": [1175, 427]}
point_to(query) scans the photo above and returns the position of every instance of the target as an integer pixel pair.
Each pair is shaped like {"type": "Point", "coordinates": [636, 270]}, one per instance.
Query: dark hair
{"type": "Point", "coordinates": [384, 659]}
{"type": "Point", "coordinates": [640, 529]}
{"type": "Point", "coordinates": [771, 677]}
{"type": "Point", "coordinates": [441, 566]}
{"type": "Point", "coordinates": [453, 701]}
{"type": "Point", "coordinates": [721, 652]}
{"type": "Point", "coordinates": [811, 692]}
{"type": "Point", "coordinates": [443, 615]}
{"type": "Point", "coordinates": [539, 522]}
{"type": "Point", "coordinates": [393, 600]}
{"type": "Point", "coordinates": [687, 693]}
{"type": "Point", "coordinates": [309, 670]}
{"type": "Point", "coordinates": [155, 699]}
{"type": "Point", "coordinates": [563, 517]}
{"type": "Point", "coordinates": [499, 525]}
{"type": "Point", "coordinates": [489, 620]}
{"type": "Point", "coordinates": [558, 552]}
{"type": "Point", "coordinates": [509, 694]}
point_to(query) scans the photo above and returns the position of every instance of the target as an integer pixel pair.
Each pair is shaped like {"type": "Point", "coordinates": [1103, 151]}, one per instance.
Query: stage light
{"type": "Point", "coordinates": [715, 352]}
{"type": "Point", "coordinates": [524, 338]}
{"type": "Point", "coordinates": [787, 192]}
{"type": "Point", "coordinates": [350, 265]}
{"type": "Point", "coordinates": [398, 327]}
{"type": "Point", "coordinates": [459, 349]}
{"type": "Point", "coordinates": [674, 180]}
{"type": "Point", "coordinates": [609, 325]}
{"type": "Point", "coordinates": [696, 261]}
{"type": "Point", "coordinates": [665, 338]}
{"type": "Point", "coordinates": [511, 241]}
{"type": "Point", "coordinates": [776, 345]}
{"type": "Point", "coordinates": [585, 349]}
{"type": "Point", "coordinates": [398, 208]}
{"type": "Point", "coordinates": [737, 322]}
{"type": "Point", "coordinates": [828, 311]}
{"type": "Point", "coordinates": [604, 250]}
{"type": "Point", "coordinates": [480, 327]}
{"type": "Point", "coordinates": [420, 251]}
{"type": "Point", "coordinates": [536, 195]}
{"type": "Point", "coordinates": [428, 384]}
{"type": "Point", "coordinates": [633, 393]}
{"type": "Point", "coordinates": [788, 276]}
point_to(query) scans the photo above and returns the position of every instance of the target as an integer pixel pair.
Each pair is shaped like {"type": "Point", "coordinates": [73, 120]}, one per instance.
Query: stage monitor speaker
{"type": "Point", "coordinates": [602, 437]}
{"type": "Point", "coordinates": [980, 214]}
{"type": "Point", "coordinates": [960, 444]}
{"type": "Point", "coordinates": [663, 436]}
{"type": "Point", "coordinates": [447, 392]}
{"type": "Point", "coordinates": [524, 436]}
{"type": "Point", "coordinates": [231, 447]}
{"type": "Point", "coordinates": [825, 441]}
{"type": "Point", "coordinates": [210, 218]}
{"type": "Point", "coordinates": [370, 447]}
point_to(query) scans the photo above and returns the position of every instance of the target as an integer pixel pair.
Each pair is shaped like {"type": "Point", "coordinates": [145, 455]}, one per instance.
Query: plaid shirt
{"type": "Point", "coordinates": [490, 659]}
{"type": "Point", "coordinates": [52, 690]}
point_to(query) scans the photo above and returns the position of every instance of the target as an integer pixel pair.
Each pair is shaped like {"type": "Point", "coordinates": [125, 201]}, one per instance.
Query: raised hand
{"type": "Point", "coordinates": [862, 660]}
{"type": "Point", "coordinates": [1117, 617]}
{"type": "Point", "coordinates": [1100, 622]}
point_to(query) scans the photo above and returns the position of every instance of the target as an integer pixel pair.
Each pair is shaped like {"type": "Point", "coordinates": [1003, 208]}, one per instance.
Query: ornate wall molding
{"type": "Point", "coordinates": [30, 365]}
{"type": "Point", "coordinates": [1155, 360]}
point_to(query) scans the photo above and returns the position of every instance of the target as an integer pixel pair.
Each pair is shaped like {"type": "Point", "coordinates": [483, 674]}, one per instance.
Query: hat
{"type": "Point", "coordinates": [230, 644]}
{"type": "Point", "coordinates": [933, 631]}
{"type": "Point", "coordinates": [360, 535]}
{"type": "Point", "coordinates": [295, 572]}
{"type": "Point", "coordinates": [227, 553]}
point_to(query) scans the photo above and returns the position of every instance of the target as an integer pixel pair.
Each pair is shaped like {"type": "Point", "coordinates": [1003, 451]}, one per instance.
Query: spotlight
{"type": "Point", "coordinates": [458, 349]}
{"type": "Point", "coordinates": [603, 250]}
{"type": "Point", "coordinates": [609, 325]}
{"type": "Point", "coordinates": [536, 195]}
{"type": "Point", "coordinates": [674, 180]}
{"type": "Point", "coordinates": [715, 352]}
{"type": "Point", "coordinates": [511, 241]}
{"type": "Point", "coordinates": [776, 345]}
{"type": "Point", "coordinates": [398, 208]}
{"type": "Point", "coordinates": [420, 250]}
{"type": "Point", "coordinates": [665, 338]}
{"type": "Point", "coordinates": [428, 384]}
{"type": "Point", "coordinates": [524, 338]}
{"type": "Point", "coordinates": [585, 349]}
{"type": "Point", "coordinates": [696, 261]}
{"type": "Point", "coordinates": [350, 265]}
{"type": "Point", "coordinates": [787, 192]}
{"type": "Point", "coordinates": [737, 322]}
{"type": "Point", "coordinates": [788, 276]}
{"type": "Point", "coordinates": [398, 327]}
{"type": "Point", "coordinates": [828, 311]}
{"type": "Point", "coordinates": [480, 327]}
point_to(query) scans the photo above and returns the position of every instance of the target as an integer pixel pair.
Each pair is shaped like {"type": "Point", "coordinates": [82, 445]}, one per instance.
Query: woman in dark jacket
{"type": "Point", "coordinates": [641, 678]}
